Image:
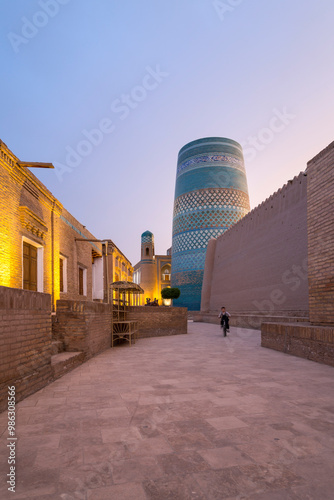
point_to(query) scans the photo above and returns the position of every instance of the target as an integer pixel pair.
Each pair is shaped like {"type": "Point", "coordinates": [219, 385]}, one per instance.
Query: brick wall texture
{"type": "Point", "coordinates": [25, 342]}
{"type": "Point", "coordinates": [306, 341]}
{"type": "Point", "coordinates": [260, 264]}
{"type": "Point", "coordinates": [320, 220]}
{"type": "Point", "coordinates": [30, 212]}
{"type": "Point", "coordinates": [83, 326]}
{"type": "Point", "coordinates": [159, 321]}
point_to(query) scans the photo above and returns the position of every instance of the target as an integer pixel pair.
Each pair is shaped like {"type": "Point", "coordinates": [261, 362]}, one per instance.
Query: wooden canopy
{"type": "Point", "coordinates": [126, 286]}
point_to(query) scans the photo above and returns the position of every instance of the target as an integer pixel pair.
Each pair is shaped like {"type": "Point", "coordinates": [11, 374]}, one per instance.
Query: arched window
{"type": "Point", "coordinates": [165, 273]}
{"type": "Point", "coordinates": [147, 251]}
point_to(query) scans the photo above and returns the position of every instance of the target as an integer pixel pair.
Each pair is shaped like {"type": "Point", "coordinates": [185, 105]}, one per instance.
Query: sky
{"type": "Point", "coordinates": [110, 91]}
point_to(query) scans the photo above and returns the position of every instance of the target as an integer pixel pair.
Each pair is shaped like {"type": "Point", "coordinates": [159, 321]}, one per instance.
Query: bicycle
{"type": "Point", "coordinates": [224, 326]}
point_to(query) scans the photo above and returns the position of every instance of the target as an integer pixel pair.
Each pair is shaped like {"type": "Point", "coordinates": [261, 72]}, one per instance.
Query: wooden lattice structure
{"type": "Point", "coordinates": [121, 328]}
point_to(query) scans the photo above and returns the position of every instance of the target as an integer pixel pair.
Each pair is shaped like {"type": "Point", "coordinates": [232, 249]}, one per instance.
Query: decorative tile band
{"type": "Point", "coordinates": [146, 239]}
{"type": "Point", "coordinates": [202, 159]}
{"type": "Point", "coordinates": [204, 219]}
{"type": "Point", "coordinates": [210, 196]}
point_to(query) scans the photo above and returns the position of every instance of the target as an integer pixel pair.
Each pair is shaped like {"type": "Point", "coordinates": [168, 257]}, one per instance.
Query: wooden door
{"type": "Point", "coordinates": [61, 274]}
{"type": "Point", "coordinates": [29, 267]}
{"type": "Point", "coordinates": [81, 280]}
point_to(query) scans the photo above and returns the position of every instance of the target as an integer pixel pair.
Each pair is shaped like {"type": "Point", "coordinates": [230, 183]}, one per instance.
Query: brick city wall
{"type": "Point", "coordinates": [260, 264]}
{"type": "Point", "coordinates": [25, 342]}
{"type": "Point", "coordinates": [304, 340]}
{"type": "Point", "coordinates": [320, 219]}
{"type": "Point", "coordinates": [83, 326]}
{"type": "Point", "coordinates": [159, 321]}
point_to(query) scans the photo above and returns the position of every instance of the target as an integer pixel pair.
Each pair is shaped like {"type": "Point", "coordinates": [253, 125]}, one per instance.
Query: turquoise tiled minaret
{"type": "Point", "coordinates": [211, 195]}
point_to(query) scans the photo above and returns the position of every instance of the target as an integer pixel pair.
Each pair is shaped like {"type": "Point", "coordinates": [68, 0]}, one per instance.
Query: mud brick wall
{"type": "Point", "coordinates": [260, 264]}
{"type": "Point", "coordinates": [304, 340]}
{"type": "Point", "coordinates": [320, 220]}
{"type": "Point", "coordinates": [83, 326]}
{"type": "Point", "coordinates": [25, 342]}
{"type": "Point", "coordinates": [159, 321]}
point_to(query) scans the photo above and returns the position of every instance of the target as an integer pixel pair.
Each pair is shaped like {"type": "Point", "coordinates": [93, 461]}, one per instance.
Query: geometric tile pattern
{"type": "Point", "coordinates": [212, 197]}
{"type": "Point", "coordinates": [189, 260]}
{"type": "Point", "coordinates": [208, 202]}
{"type": "Point", "coordinates": [194, 240]}
{"type": "Point", "coordinates": [203, 219]}
{"type": "Point", "coordinates": [190, 282]}
{"type": "Point", "coordinates": [146, 238]}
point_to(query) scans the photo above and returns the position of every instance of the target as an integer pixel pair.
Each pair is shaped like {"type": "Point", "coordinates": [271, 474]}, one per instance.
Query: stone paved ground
{"type": "Point", "coordinates": [196, 416]}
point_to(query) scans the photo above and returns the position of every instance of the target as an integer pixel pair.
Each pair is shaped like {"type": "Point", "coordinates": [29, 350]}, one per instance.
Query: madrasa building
{"type": "Point", "coordinates": [152, 272]}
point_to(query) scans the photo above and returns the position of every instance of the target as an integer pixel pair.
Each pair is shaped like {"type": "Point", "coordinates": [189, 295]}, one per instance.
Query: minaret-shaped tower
{"type": "Point", "coordinates": [148, 267]}
{"type": "Point", "coordinates": [210, 196]}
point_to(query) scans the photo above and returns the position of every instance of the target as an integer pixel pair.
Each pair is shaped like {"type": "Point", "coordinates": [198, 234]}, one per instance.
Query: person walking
{"type": "Point", "coordinates": [224, 320]}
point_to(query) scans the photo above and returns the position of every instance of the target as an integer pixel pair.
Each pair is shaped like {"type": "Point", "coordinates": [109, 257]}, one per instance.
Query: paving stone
{"type": "Point", "coordinates": [223, 423]}
{"type": "Point", "coordinates": [136, 470]}
{"type": "Point", "coordinates": [173, 488]}
{"type": "Point", "coordinates": [130, 491]}
{"type": "Point", "coordinates": [182, 463]}
{"type": "Point", "coordinates": [185, 417]}
{"type": "Point", "coordinates": [219, 458]}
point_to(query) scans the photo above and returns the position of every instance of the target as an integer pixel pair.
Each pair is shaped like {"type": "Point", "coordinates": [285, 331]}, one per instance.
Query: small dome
{"type": "Point", "coordinates": [147, 237]}
{"type": "Point", "coordinates": [147, 233]}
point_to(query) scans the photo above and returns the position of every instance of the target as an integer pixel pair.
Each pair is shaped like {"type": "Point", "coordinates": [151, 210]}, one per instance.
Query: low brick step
{"type": "Point", "coordinates": [248, 320]}
{"type": "Point", "coordinates": [64, 362]}
{"type": "Point", "coordinates": [57, 346]}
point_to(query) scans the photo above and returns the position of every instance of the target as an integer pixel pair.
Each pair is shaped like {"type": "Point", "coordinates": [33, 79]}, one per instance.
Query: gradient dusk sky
{"type": "Point", "coordinates": [152, 75]}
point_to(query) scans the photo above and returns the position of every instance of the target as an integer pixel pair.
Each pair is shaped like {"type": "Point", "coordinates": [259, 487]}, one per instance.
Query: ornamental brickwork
{"type": "Point", "coordinates": [211, 195]}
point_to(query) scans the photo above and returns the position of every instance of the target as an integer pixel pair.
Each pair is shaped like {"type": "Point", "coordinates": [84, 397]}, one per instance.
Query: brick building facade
{"type": "Point", "coordinates": [153, 271]}
{"type": "Point", "coordinates": [43, 247]}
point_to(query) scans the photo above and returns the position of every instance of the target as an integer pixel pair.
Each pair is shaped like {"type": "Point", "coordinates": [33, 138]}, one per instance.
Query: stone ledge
{"type": "Point", "coordinates": [159, 321]}
{"type": "Point", "coordinates": [304, 340]}
{"type": "Point", "coordinates": [64, 362]}
{"type": "Point", "coordinates": [251, 320]}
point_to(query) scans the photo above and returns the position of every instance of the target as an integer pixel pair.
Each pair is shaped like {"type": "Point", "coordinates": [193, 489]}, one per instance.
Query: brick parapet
{"type": "Point", "coordinates": [304, 340]}
{"type": "Point", "coordinates": [83, 326]}
{"type": "Point", "coordinates": [159, 321]}
{"type": "Point", "coordinates": [25, 342]}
